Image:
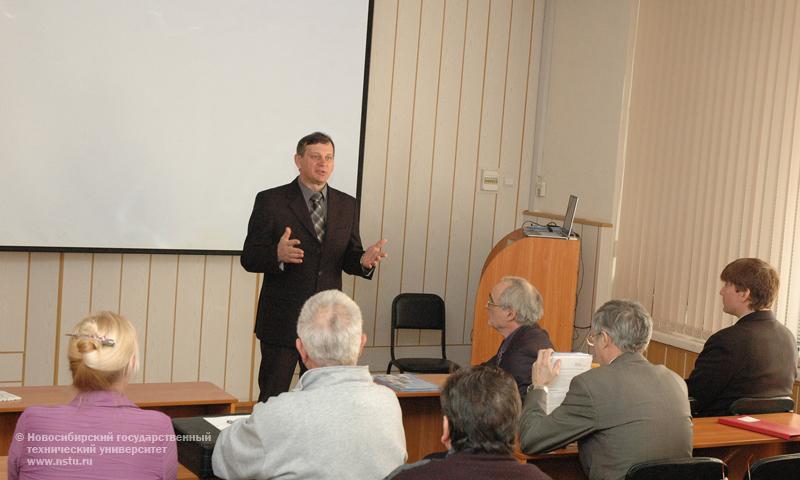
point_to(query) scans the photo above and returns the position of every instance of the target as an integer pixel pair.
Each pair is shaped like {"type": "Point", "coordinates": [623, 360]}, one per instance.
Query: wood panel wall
{"type": "Point", "coordinates": [452, 92]}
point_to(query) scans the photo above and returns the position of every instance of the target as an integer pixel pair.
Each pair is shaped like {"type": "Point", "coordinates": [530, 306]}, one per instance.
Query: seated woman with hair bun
{"type": "Point", "coordinates": [100, 434]}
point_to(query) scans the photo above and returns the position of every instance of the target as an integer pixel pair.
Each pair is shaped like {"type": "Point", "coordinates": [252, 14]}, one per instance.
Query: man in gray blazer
{"type": "Point", "coordinates": [625, 412]}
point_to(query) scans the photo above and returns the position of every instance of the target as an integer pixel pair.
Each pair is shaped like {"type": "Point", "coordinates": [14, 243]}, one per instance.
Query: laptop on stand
{"type": "Point", "coordinates": [565, 231]}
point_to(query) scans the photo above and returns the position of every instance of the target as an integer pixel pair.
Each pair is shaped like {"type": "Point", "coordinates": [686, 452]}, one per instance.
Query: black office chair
{"type": "Point", "coordinates": [696, 468]}
{"type": "Point", "coordinates": [751, 406]}
{"type": "Point", "coordinates": [775, 468]}
{"type": "Point", "coordinates": [422, 311]}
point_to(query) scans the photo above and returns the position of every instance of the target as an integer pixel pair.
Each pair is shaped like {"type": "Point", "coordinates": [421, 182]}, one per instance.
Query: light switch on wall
{"type": "Point", "coordinates": [490, 180]}
{"type": "Point", "coordinates": [541, 186]}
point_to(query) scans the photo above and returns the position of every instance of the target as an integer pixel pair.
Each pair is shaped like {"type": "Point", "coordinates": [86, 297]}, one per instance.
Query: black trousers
{"type": "Point", "coordinates": [276, 370]}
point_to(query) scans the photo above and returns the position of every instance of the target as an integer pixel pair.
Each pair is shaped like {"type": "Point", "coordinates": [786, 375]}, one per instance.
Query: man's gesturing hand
{"type": "Point", "coordinates": [374, 255]}
{"type": "Point", "coordinates": [287, 251]}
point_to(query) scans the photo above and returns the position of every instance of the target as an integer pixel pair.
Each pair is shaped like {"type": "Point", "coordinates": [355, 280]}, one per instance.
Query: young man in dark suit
{"type": "Point", "coordinates": [756, 356]}
{"type": "Point", "coordinates": [301, 236]}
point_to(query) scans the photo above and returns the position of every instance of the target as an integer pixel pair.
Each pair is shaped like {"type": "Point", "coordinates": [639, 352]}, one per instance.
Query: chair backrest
{"type": "Point", "coordinates": [418, 310]}
{"type": "Point", "coordinates": [696, 468]}
{"type": "Point", "coordinates": [423, 311]}
{"type": "Point", "coordinates": [781, 466]}
{"type": "Point", "coordinates": [748, 406]}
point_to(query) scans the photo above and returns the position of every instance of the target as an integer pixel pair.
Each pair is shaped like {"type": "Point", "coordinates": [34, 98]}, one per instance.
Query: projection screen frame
{"type": "Point", "coordinates": [160, 251]}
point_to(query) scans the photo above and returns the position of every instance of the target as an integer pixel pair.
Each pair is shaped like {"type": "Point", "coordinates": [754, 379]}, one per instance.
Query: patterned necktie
{"type": "Point", "coordinates": [500, 353]}
{"type": "Point", "coordinates": [316, 215]}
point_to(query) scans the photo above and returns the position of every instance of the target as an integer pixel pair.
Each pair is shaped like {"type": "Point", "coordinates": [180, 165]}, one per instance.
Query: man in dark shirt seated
{"type": "Point", "coordinates": [514, 308]}
{"type": "Point", "coordinates": [481, 414]}
{"type": "Point", "coordinates": [756, 356]}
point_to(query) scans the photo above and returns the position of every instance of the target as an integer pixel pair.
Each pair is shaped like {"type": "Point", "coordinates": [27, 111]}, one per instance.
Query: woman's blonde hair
{"type": "Point", "coordinates": [102, 351]}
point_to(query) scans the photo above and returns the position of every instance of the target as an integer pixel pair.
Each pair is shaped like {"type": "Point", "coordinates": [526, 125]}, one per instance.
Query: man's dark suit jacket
{"type": "Point", "coordinates": [521, 353]}
{"type": "Point", "coordinates": [755, 357]}
{"type": "Point", "coordinates": [284, 292]}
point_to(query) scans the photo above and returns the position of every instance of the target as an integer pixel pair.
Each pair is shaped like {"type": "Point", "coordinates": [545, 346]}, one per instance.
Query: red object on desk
{"type": "Point", "coordinates": [785, 432]}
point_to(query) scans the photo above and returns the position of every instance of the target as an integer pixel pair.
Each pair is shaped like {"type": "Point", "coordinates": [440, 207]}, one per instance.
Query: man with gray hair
{"type": "Point", "coordinates": [334, 415]}
{"type": "Point", "coordinates": [514, 309]}
{"type": "Point", "coordinates": [625, 412]}
{"type": "Point", "coordinates": [480, 408]}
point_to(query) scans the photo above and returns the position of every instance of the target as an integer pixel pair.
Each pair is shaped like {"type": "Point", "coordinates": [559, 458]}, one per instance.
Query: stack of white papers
{"type": "Point", "coordinates": [572, 364]}
{"type": "Point", "coordinates": [8, 397]}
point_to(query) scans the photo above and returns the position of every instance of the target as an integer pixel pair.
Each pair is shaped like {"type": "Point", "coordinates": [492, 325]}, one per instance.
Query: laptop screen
{"type": "Point", "coordinates": [566, 229]}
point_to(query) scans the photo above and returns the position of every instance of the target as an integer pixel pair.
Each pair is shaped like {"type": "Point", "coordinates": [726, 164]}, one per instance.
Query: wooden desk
{"type": "Point", "coordinates": [738, 447]}
{"type": "Point", "coordinates": [422, 419]}
{"type": "Point", "coordinates": [182, 399]}
{"type": "Point", "coordinates": [735, 446]}
{"type": "Point", "coordinates": [183, 473]}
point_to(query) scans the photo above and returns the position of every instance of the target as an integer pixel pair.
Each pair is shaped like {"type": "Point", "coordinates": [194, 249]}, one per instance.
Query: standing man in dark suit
{"type": "Point", "coordinates": [301, 236]}
{"type": "Point", "coordinates": [514, 309]}
{"type": "Point", "coordinates": [756, 356]}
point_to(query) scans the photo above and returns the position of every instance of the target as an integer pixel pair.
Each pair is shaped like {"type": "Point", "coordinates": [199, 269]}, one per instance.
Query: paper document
{"type": "Point", "coordinates": [221, 423]}
{"type": "Point", "coordinates": [572, 364]}
{"type": "Point", "coordinates": [8, 397]}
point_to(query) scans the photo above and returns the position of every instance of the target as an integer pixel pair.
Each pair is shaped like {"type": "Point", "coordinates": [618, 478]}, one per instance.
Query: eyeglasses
{"type": "Point", "coordinates": [490, 303]}
{"type": "Point", "coordinates": [591, 339]}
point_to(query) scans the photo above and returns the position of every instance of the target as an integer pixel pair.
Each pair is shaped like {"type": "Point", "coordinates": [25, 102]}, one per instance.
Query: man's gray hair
{"type": "Point", "coordinates": [523, 298]}
{"type": "Point", "coordinates": [627, 323]}
{"type": "Point", "coordinates": [330, 328]}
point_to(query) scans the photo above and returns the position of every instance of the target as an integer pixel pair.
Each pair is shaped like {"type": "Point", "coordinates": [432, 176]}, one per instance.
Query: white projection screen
{"type": "Point", "coordinates": [129, 125]}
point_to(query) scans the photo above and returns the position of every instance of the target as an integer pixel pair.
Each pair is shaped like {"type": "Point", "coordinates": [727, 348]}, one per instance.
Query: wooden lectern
{"type": "Point", "coordinates": [551, 265]}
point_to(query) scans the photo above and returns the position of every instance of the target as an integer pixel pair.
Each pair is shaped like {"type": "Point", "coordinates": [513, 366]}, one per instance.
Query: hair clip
{"type": "Point", "coordinates": [106, 342]}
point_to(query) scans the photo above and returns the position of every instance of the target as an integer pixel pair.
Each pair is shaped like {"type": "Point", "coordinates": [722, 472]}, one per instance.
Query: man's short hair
{"type": "Point", "coordinates": [627, 323]}
{"type": "Point", "coordinates": [523, 298]}
{"type": "Point", "coordinates": [313, 139]}
{"type": "Point", "coordinates": [755, 275]}
{"type": "Point", "coordinates": [482, 407]}
{"type": "Point", "coordinates": [330, 328]}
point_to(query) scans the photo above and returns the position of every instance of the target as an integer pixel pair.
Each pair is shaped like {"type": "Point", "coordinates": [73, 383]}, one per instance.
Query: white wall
{"type": "Point", "coordinates": [586, 56]}
{"type": "Point", "coordinates": [586, 47]}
